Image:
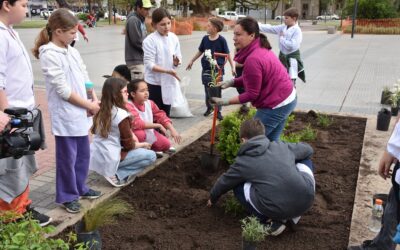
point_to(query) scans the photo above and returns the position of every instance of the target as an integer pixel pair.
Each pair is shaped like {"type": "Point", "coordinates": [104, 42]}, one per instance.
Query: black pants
{"type": "Point", "coordinates": [156, 97]}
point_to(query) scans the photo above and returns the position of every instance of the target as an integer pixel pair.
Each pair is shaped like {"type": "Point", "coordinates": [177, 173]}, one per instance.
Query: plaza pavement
{"type": "Point", "coordinates": [344, 76]}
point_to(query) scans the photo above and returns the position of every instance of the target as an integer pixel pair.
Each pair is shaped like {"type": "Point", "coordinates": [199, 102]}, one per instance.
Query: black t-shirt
{"type": "Point", "coordinates": [219, 45]}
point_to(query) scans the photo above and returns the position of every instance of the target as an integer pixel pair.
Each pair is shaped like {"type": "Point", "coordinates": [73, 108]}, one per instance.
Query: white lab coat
{"type": "Point", "coordinates": [291, 39]}
{"type": "Point", "coordinates": [64, 73]}
{"type": "Point", "coordinates": [159, 50]}
{"type": "Point", "coordinates": [105, 153]}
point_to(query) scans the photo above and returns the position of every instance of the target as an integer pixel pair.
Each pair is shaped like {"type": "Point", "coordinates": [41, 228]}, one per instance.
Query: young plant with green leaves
{"type": "Point", "coordinates": [103, 213]}
{"type": "Point", "coordinates": [253, 230]}
{"type": "Point", "coordinates": [233, 206]}
{"type": "Point", "coordinates": [324, 120]}
{"type": "Point", "coordinates": [308, 134]}
{"type": "Point", "coordinates": [25, 233]}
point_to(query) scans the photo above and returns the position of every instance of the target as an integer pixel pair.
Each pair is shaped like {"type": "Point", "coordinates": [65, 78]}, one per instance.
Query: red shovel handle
{"type": "Point", "coordinates": [213, 125]}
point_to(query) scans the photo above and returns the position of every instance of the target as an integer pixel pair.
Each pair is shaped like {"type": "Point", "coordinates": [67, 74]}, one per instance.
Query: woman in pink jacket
{"type": "Point", "coordinates": [266, 82]}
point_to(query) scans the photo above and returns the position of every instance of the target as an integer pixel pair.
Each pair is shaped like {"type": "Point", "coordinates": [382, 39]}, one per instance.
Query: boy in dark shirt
{"type": "Point", "coordinates": [216, 43]}
{"type": "Point", "coordinates": [272, 180]}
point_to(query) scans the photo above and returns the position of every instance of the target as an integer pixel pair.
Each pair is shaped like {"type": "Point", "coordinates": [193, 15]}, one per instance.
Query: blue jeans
{"type": "Point", "coordinates": [274, 119]}
{"type": "Point", "coordinates": [135, 162]}
{"type": "Point", "coordinates": [239, 194]}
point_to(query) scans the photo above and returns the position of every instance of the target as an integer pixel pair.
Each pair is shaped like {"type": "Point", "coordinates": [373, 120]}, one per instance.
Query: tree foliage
{"type": "Point", "coordinates": [372, 9]}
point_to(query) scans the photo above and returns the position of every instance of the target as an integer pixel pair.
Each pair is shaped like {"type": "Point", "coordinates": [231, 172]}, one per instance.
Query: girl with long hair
{"type": "Point", "coordinates": [115, 152]}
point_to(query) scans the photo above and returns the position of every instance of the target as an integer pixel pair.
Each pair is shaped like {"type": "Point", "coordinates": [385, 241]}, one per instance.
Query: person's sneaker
{"type": "Point", "coordinates": [366, 245]}
{"type": "Point", "coordinates": [91, 194]}
{"type": "Point", "coordinates": [113, 180]}
{"type": "Point", "coordinates": [171, 150]}
{"type": "Point", "coordinates": [159, 154]}
{"type": "Point", "coordinates": [72, 206]}
{"type": "Point", "coordinates": [274, 228]}
{"type": "Point", "coordinates": [220, 117]}
{"type": "Point", "coordinates": [208, 112]}
{"type": "Point", "coordinates": [43, 219]}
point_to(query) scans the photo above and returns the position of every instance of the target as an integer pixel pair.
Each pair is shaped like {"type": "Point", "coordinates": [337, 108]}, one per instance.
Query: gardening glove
{"type": "Point", "coordinates": [219, 101]}
{"type": "Point", "coordinates": [226, 84]}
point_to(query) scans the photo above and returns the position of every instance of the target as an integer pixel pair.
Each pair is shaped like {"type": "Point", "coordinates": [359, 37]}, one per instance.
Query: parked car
{"type": "Point", "coordinates": [328, 17]}
{"type": "Point", "coordinates": [231, 15]}
{"type": "Point", "coordinates": [279, 17]}
{"type": "Point", "coordinates": [118, 16]}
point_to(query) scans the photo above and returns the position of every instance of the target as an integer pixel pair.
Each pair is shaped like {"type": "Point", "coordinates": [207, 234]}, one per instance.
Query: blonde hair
{"type": "Point", "coordinates": [60, 19]}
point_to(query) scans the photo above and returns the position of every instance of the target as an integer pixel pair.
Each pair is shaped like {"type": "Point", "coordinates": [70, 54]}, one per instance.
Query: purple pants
{"type": "Point", "coordinates": [72, 167]}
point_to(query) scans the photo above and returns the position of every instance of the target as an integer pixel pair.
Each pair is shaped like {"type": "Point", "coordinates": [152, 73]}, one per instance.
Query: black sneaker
{"type": "Point", "coordinates": [159, 154]}
{"type": "Point", "coordinates": [91, 194]}
{"type": "Point", "coordinates": [366, 245]}
{"type": "Point", "coordinates": [274, 228]}
{"type": "Point", "coordinates": [220, 117]}
{"type": "Point", "coordinates": [72, 206]}
{"type": "Point", "coordinates": [43, 219]}
{"type": "Point", "coordinates": [208, 112]}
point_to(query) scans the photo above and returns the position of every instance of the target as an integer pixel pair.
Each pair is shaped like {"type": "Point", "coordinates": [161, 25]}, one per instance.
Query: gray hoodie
{"type": "Point", "coordinates": [278, 189]}
{"type": "Point", "coordinates": [135, 34]}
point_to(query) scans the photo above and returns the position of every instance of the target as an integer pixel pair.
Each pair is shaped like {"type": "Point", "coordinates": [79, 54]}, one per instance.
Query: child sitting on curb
{"type": "Point", "coordinates": [147, 118]}
{"type": "Point", "coordinates": [114, 152]}
{"type": "Point", "coordinates": [272, 180]}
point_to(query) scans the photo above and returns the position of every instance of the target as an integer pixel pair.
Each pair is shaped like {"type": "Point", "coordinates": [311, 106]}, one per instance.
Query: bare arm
{"type": "Point", "coordinates": [196, 56]}
{"type": "Point", "coordinates": [3, 100]}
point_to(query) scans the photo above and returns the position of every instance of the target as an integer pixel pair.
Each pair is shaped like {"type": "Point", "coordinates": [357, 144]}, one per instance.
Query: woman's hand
{"type": "Point", "coordinates": [209, 203]}
{"type": "Point", "coordinates": [384, 165]}
{"type": "Point", "coordinates": [226, 84]}
{"type": "Point", "coordinates": [145, 145]}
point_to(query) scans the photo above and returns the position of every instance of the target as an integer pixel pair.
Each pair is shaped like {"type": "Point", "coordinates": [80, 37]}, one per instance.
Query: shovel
{"type": "Point", "coordinates": [210, 161]}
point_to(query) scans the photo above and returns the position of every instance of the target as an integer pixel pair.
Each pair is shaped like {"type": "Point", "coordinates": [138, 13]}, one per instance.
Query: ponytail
{"type": "Point", "coordinates": [264, 42]}
{"type": "Point", "coordinates": [43, 38]}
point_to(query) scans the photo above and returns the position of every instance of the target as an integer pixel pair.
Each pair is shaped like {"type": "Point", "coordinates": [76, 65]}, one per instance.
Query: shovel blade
{"type": "Point", "coordinates": [209, 161]}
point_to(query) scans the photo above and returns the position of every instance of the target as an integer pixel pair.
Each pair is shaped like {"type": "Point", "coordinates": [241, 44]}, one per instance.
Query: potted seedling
{"type": "Point", "coordinates": [394, 103]}
{"type": "Point", "coordinates": [103, 214]}
{"type": "Point", "coordinates": [253, 232]}
{"type": "Point", "coordinates": [385, 96]}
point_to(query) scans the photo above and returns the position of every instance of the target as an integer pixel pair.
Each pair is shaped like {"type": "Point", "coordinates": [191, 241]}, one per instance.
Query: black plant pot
{"type": "Point", "coordinates": [394, 110]}
{"type": "Point", "coordinates": [214, 92]}
{"type": "Point", "coordinates": [248, 245]}
{"type": "Point", "coordinates": [383, 121]}
{"type": "Point", "coordinates": [91, 239]}
{"type": "Point", "coordinates": [385, 97]}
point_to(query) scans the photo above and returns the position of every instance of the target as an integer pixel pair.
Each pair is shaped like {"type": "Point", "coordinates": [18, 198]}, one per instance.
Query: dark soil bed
{"type": "Point", "coordinates": [171, 210]}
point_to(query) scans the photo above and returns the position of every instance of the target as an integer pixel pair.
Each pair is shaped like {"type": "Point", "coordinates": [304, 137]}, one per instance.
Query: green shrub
{"type": "Point", "coordinates": [233, 206]}
{"type": "Point", "coordinates": [82, 16]}
{"type": "Point", "coordinates": [291, 137]}
{"type": "Point", "coordinates": [229, 141]}
{"type": "Point", "coordinates": [308, 134]}
{"type": "Point", "coordinates": [253, 230]}
{"type": "Point", "coordinates": [324, 120]}
{"type": "Point", "coordinates": [26, 233]}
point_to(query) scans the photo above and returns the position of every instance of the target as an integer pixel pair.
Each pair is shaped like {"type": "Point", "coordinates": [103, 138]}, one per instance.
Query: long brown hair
{"type": "Point", "coordinates": [110, 96]}
{"type": "Point", "coordinates": [59, 19]}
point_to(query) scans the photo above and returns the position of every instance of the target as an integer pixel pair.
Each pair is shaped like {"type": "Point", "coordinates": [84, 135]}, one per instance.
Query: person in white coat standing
{"type": "Point", "coordinates": [162, 55]}
{"type": "Point", "coordinates": [65, 76]}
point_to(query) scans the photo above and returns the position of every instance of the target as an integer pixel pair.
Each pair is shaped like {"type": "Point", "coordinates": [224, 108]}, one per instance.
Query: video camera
{"type": "Point", "coordinates": [19, 138]}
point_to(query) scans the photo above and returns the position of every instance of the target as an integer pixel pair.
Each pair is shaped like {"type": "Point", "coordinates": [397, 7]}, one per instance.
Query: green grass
{"type": "Point", "coordinates": [31, 24]}
{"type": "Point", "coordinates": [232, 206]}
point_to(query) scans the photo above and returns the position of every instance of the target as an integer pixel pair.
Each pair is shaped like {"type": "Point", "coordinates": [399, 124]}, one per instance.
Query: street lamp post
{"type": "Point", "coordinates": [354, 18]}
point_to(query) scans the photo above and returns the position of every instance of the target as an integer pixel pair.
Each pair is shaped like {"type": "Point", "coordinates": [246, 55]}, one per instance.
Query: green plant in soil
{"type": "Point", "coordinates": [233, 206]}
{"type": "Point", "coordinates": [253, 230]}
{"type": "Point", "coordinates": [291, 137]}
{"type": "Point", "coordinates": [103, 213]}
{"type": "Point", "coordinates": [308, 134]}
{"type": "Point", "coordinates": [324, 120]}
{"type": "Point", "coordinates": [26, 233]}
{"type": "Point", "coordinates": [229, 141]}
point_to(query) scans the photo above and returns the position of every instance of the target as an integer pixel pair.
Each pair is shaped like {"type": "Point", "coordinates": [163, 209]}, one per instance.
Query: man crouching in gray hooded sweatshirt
{"type": "Point", "coordinates": [273, 180]}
